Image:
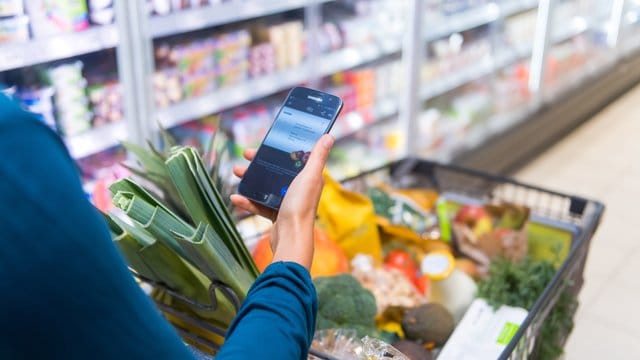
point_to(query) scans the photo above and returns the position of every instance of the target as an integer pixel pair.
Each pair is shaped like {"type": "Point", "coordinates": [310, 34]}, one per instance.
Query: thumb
{"type": "Point", "coordinates": [318, 157]}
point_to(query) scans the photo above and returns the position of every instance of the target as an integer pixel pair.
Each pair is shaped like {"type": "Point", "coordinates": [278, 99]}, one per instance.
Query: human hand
{"type": "Point", "coordinates": [292, 232]}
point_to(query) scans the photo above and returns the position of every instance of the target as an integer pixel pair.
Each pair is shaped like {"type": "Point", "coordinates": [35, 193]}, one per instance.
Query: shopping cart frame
{"type": "Point", "coordinates": [579, 215]}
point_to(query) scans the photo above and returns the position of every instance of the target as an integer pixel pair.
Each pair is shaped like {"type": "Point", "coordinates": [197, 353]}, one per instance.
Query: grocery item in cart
{"type": "Point", "coordinates": [451, 287]}
{"type": "Point", "coordinates": [344, 344]}
{"type": "Point", "coordinates": [484, 232]}
{"type": "Point", "coordinates": [483, 331]}
{"type": "Point", "coordinates": [350, 220]}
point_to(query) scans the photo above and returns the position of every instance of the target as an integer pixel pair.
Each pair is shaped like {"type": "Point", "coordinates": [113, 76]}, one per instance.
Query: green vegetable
{"type": "Point", "coordinates": [521, 284]}
{"type": "Point", "coordinates": [344, 303]}
{"type": "Point", "coordinates": [180, 234]}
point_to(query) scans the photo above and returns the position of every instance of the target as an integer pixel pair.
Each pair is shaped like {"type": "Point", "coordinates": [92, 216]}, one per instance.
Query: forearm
{"type": "Point", "coordinates": [300, 249]}
{"type": "Point", "coordinates": [277, 319]}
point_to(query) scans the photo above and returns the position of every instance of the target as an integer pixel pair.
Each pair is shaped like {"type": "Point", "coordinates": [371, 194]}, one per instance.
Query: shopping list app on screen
{"type": "Point", "coordinates": [295, 133]}
{"type": "Point", "coordinates": [286, 148]}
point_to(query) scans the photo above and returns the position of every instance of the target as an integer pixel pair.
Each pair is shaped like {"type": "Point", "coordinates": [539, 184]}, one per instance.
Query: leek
{"type": "Point", "coordinates": [182, 236]}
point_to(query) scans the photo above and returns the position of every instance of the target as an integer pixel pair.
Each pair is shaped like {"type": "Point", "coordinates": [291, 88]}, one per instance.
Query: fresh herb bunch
{"type": "Point", "coordinates": [521, 284]}
{"type": "Point", "coordinates": [515, 283]}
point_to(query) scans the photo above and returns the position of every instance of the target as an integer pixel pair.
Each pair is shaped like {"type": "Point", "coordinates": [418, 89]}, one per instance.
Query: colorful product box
{"type": "Point", "coordinates": [50, 17]}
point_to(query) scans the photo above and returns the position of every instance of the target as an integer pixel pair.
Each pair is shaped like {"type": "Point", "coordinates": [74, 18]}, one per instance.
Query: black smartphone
{"type": "Point", "coordinates": [304, 117]}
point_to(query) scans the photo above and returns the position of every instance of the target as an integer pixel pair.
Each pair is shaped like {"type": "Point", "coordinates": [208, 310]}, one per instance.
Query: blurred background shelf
{"type": "Point", "coordinates": [62, 46]}
{"type": "Point", "coordinates": [470, 79]}
{"type": "Point", "coordinates": [219, 14]}
{"type": "Point", "coordinates": [258, 88]}
{"type": "Point", "coordinates": [476, 16]}
{"type": "Point", "coordinates": [96, 140]}
{"type": "Point", "coordinates": [225, 98]}
{"type": "Point", "coordinates": [350, 57]}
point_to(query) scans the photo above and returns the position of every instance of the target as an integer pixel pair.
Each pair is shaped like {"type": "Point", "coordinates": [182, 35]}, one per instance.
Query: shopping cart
{"type": "Point", "coordinates": [578, 215]}
{"type": "Point", "coordinates": [575, 214]}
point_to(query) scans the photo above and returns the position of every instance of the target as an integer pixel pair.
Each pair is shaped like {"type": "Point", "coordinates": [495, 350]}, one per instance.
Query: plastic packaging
{"type": "Point", "coordinates": [11, 8]}
{"type": "Point", "coordinates": [50, 17]}
{"type": "Point", "coordinates": [14, 29]}
{"type": "Point", "coordinates": [450, 287]}
{"type": "Point", "coordinates": [343, 344]}
{"type": "Point", "coordinates": [71, 101]}
{"type": "Point", "coordinates": [483, 332]}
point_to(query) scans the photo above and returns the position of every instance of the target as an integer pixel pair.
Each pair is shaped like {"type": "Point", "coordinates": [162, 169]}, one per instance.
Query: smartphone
{"type": "Point", "coordinates": [304, 117]}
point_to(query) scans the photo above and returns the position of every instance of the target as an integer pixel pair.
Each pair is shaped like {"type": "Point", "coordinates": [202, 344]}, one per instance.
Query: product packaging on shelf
{"type": "Point", "coordinates": [71, 101]}
{"type": "Point", "coordinates": [106, 102]}
{"type": "Point", "coordinates": [194, 67]}
{"type": "Point", "coordinates": [40, 102]}
{"type": "Point", "coordinates": [287, 40]}
{"type": "Point", "coordinates": [100, 170]}
{"type": "Point", "coordinates": [232, 57]}
{"type": "Point", "coordinates": [11, 8]}
{"type": "Point", "coordinates": [262, 60]}
{"type": "Point", "coordinates": [14, 29]}
{"type": "Point", "coordinates": [249, 124]}
{"type": "Point", "coordinates": [101, 12]}
{"type": "Point", "coordinates": [50, 17]}
{"type": "Point", "coordinates": [163, 7]}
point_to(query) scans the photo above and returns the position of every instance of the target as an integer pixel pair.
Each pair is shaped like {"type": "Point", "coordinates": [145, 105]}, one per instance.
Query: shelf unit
{"type": "Point", "coordinates": [226, 13]}
{"type": "Point", "coordinates": [96, 140]}
{"type": "Point", "coordinates": [141, 30]}
{"type": "Point", "coordinates": [42, 50]}
{"type": "Point", "coordinates": [258, 88]}
{"type": "Point", "coordinates": [476, 17]}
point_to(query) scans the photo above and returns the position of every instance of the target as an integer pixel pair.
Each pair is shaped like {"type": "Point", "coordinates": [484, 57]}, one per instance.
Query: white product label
{"type": "Point", "coordinates": [483, 332]}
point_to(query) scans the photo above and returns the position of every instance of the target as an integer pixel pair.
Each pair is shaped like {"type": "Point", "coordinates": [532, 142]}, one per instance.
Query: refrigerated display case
{"type": "Point", "coordinates": [480, 83]}
{"type": "Point", "coordinates": [58, 60]}
{"type": "Point", "coordinates": [242, 63]}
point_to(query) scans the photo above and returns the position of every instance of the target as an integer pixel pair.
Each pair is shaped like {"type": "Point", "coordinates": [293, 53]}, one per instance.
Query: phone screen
{"type": "Point", "coordinates": [305, 116]}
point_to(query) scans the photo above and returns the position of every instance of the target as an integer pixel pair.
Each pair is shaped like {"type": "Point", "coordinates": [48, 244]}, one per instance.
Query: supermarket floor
{"type": "Point", "coordinates": [601, 160]}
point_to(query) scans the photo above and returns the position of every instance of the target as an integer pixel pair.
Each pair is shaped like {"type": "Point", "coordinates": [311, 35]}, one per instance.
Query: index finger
{"type": "Point", "coordinates": [249, 154]}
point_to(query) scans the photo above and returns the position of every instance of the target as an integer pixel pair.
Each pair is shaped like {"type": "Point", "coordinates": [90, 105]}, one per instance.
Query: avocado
{"type": "Point", "coordinates": [429, 323]}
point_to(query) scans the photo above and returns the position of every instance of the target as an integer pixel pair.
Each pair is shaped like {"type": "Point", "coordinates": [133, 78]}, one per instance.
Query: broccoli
{"type": "Point", "coordinates": [344, 303]}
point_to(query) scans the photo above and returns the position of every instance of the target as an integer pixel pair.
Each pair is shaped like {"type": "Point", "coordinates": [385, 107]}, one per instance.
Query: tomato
{"type": "Point", "coordinates": [423, 284]}
{"type": "Point", "coordinates": [402, 261]}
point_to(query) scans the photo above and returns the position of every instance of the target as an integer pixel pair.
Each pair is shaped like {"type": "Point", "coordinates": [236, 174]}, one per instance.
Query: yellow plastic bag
{"type": "Point", "coordinates": [350, 220]}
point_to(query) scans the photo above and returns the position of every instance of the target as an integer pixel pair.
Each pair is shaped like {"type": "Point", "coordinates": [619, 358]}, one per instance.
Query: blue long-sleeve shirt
{"type": "Point", "coordinates": [65, 291]}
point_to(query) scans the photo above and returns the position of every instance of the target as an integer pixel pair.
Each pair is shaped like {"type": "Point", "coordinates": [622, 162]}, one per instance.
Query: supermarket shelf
{"type": "Point", "coordinates": [227, 97]}
{"type": "Point", "coordinates": [473, 72]}
{"type": "Point", "coordinates": [576, 27]}
{"type": "Point", "coordinates": [213, 15]}
{"type": "Point", "coordinates": [512, 146]}
{"type": "Point", "coordinates": [383, 110]}
{"type": "Point", "coordinates": [255, 89]}
{"type": "Point", "coordinates": [36, 51]}
{"type": "Point", "coordinates": [353, 56]}
{"type": "Point", "coordinates": [96, 140]}
{"type": "Point", "coordinates": [475, 17]}
{"type": "Point", "coordinates": [488, 66]}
